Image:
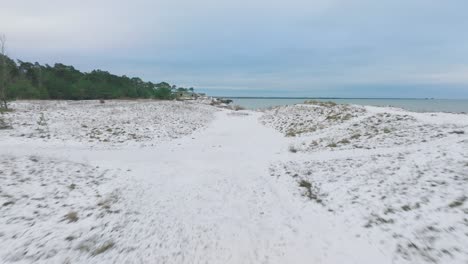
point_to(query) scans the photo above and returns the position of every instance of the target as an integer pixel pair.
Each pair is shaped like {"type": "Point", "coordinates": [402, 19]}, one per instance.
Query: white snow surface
{"type": "Point", "coordinates": [179, 182]}
{"type": "Point", "coordinates": [114, 123]}
{"type": "Point", "coordinates": [403, 176]}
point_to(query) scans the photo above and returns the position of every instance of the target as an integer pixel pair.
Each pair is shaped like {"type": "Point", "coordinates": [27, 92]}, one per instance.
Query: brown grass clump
{"type": "Point", "coordinates": [291, 133]}
{"type": "Point", "coordinates": [103, 248]}
{"type": "Point", "coordinates": [344, 141]}
{"type": "Point", "coordinates": [459, 202]}
{"type": "Point", "coordinates": [311, 191]}
{"type": "Point", "coordinates": [72, 217]}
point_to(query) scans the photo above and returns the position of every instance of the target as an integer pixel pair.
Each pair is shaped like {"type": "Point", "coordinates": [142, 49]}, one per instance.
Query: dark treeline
{"type": "Point", "coordinates": [25, 80]}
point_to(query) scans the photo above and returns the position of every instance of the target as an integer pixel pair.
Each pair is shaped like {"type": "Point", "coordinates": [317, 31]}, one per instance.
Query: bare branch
{"type": "Point", "coordinates": [3, 73]}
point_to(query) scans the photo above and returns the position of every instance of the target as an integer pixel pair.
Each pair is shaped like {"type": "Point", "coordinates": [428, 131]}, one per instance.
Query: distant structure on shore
{"type": "Point", "coordinates": [188, 95]}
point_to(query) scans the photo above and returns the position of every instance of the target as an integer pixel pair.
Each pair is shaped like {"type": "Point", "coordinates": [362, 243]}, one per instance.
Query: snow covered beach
{"type": "Point", "coordinates": [183, 182]}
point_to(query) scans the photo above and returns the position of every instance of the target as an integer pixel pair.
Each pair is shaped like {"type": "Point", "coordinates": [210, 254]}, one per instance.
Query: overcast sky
{"type": "Point", "coordinates": [348, 48]}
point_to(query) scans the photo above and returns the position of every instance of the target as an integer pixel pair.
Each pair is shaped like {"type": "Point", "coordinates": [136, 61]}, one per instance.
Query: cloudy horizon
{"type": "Point", "coordinates": [334, 48]}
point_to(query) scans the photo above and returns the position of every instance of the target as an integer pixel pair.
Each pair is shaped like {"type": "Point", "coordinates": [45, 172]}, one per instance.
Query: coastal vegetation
{"type": "Point", "coordinates": [26, 80]}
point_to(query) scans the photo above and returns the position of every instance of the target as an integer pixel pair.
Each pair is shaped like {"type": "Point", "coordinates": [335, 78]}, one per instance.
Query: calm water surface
{"type": "Point", "coordinates": [418, 105]}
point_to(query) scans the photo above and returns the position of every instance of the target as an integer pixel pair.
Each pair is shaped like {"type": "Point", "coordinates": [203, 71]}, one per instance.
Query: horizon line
{"type": "Point", "coordinates": [307, 97]}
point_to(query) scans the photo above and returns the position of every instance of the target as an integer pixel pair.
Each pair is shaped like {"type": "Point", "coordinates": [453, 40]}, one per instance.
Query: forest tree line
{"type": "Point", "coordinates": [25, 80]}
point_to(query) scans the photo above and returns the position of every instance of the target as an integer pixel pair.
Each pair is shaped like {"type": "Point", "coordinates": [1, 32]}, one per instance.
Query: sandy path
{"type": "Point", "coordinates": [209, 198]}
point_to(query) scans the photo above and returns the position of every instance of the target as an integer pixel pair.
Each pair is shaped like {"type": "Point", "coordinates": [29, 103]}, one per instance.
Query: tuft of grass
{"type": "Point", "coordinates": [389, 210]}
{"type": "Point", "coordinates": [458, 202]}
{"type": "Point", "coordinates": [355, 136]}
{"type": "Point", "coordinates": [295, 132]}
{"type": "Point", "coordinates": [5, 110]}
{"type": "Point", "coordinates": [291, 133]}
{"type": "Point", "coordinates": [292, 149]}
{"type": "Point", "coordinates": [103, 248]}
{"type": "Point", "coordinates": [332, 145]}
{"type": "Point", "coordinates": [458, 132]}
{"type": "Point", "coordinates": [106, 203]}
{"type": "Point", "coordinates": [308, 186]}
{"type": "Point", "coordinates": [42, 120]}
{"type": "Point", "coordinates": [305, 184]}
{"type": "Point", "coordinates": [310, 193]}
{"type": "Point", "coordinates": [72, 217]}
{"type": "Point", "coordinates": [406, 208]}
{"type": "Point", "coordinates": [320, 103]}
{"type": "Point", "coordinates": [70, 238]}
{"type": "Point", "coordinates": [348, 116]}
{"type": "Point", "coordinates": [344, 141]}
{"type": "Point", "coordinates": [386, 130]}
{"type": "Point", "coordinates": [72, 186]}
{"type": "Point", "coordinates": [378, 220]}
{"type": "Point", "coordinates": [8, 203]}
{"type": "Point", "coordinates": [4, 124]}
{"type": "Point", "coordinates": [333, 117]}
